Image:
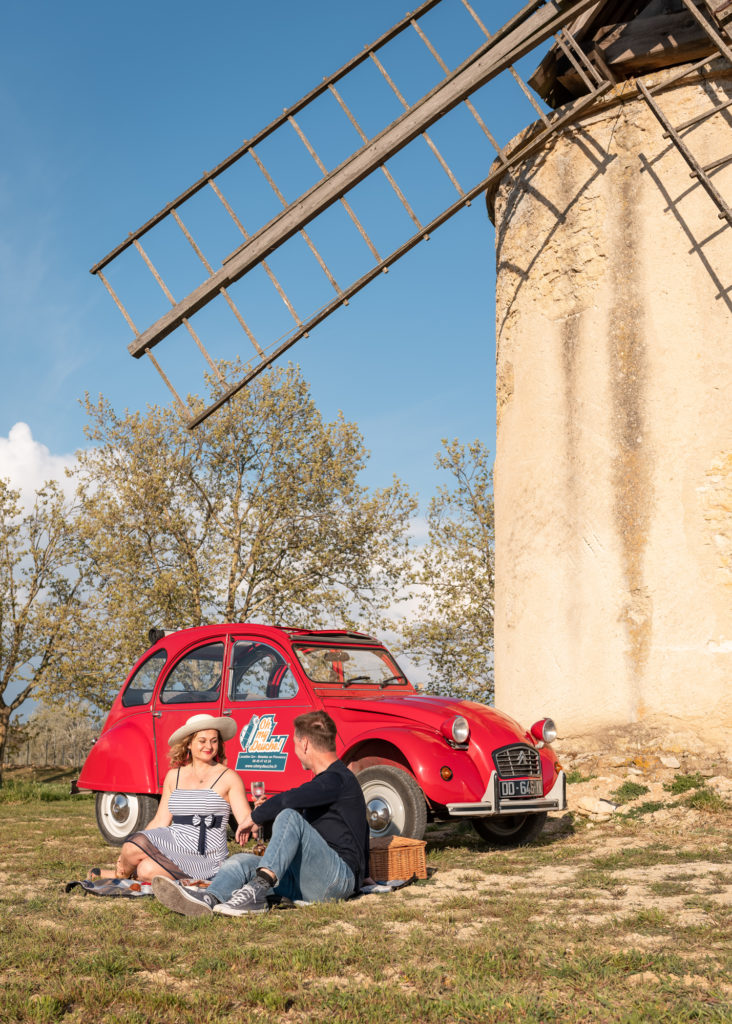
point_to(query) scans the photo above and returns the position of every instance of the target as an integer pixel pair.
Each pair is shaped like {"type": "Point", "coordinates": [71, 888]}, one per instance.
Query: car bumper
{"type": "Point", "coordinates": [492, 804]}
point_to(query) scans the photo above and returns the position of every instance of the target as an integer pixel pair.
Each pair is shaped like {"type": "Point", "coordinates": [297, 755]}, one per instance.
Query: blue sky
{"type": "Point", "coordinates": [108, 112]}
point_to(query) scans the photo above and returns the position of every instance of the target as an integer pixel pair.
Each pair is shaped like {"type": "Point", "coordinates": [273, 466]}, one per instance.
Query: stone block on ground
{"type": "Point", "coordinates": [595, 808]}
{"type": "Point", "coordinates": [721, 785]}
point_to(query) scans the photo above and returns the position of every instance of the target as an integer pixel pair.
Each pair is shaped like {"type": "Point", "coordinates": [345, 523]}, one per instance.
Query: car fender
{"type": "Point", "coordinates": [550, 768]}
{"type": "Point", "coordinates": [425, 754]}
{"type": "Point", "coordinates": [123, 758]}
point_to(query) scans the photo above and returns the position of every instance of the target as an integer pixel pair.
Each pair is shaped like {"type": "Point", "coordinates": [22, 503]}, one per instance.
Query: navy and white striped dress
{"type": "Point", "coordinates": [180, 843]}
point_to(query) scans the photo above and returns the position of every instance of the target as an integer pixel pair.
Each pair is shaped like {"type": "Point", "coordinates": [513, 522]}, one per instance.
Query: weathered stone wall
{"type": "Point", "coordinates": [613, 478]}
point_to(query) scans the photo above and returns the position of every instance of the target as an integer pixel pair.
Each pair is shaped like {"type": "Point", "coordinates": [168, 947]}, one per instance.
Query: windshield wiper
{"type": "Point", "coordinates": [390, 679]}
{"type": "Point", "coordinates": [357, 679]}
{"type": "Point", "coordinates": [367, 679]}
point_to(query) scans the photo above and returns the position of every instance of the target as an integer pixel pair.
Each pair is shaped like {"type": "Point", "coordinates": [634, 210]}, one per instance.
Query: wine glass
{"type": "Point", "coordinates": [258, 794]}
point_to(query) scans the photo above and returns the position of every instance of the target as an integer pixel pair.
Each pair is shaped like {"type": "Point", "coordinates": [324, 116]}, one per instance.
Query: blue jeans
{"type": "Point", "coordinates": [305, 866]}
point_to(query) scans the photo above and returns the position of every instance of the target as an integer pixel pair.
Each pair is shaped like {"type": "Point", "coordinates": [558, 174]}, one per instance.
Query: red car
{"type": "Point", "coordinates": [418, 758]}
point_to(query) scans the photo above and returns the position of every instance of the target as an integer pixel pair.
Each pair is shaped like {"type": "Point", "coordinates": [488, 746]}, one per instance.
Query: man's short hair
{"type": "Point", "coordinates": [317, 727]}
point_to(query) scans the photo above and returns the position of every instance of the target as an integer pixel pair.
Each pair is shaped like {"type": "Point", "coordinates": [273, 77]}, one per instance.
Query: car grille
{"type": "Point", "coordinates": [518, 760]}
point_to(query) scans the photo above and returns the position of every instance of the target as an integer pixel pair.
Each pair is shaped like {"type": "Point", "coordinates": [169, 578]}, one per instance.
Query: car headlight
{"type": "Point", "coordinates": [460, 730]}
{"type": "Point", "coordinates": [544, 730]}
{"type": "Point", "coordinates": [549, 730]}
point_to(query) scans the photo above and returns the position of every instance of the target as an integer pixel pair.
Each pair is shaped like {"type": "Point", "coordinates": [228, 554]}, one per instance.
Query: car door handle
{"type": "Point", "coordinates": [227, 711]}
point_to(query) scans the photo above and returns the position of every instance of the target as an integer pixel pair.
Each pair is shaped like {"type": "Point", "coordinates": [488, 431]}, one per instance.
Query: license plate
{"type": "Point", "coordinates": [521, 787]}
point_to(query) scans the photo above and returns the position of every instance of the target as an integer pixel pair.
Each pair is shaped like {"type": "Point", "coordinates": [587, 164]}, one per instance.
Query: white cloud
{"type": "Point", "coordinates": [28, 464]}
{"type": "Point", "coordinates": [418, 531]}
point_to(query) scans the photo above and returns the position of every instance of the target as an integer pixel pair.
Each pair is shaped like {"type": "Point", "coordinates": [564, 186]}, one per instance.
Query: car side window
{"type": "Point", "coordinates": [196, 678]}
{"type": "Point", "coordinates": [139, 690]}
{"type": "Point", "coordinates": [258, 672]}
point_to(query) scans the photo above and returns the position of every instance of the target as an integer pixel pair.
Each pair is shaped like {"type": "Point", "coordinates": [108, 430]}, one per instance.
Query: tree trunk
{"type": "Point", "coordinates": [4, 730]}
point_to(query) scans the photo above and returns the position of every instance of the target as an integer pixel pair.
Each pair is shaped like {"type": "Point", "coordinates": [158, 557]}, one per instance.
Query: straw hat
{"type": "Point", "coordinates": [226, 726]}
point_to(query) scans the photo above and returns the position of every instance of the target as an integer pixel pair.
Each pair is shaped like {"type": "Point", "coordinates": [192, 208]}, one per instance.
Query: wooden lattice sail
{"type": "Point", "coordinates": [595, 44]}
{"type": "Point", "coordinates": [495, 54]}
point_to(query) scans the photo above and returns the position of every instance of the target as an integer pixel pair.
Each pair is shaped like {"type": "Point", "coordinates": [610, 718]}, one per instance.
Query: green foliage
{"type": "Point", "coordinates": [683, 783]}
{"type": "Point", "coordinates": [46, 1009]}
{"type": "Point", "coordinates": [705, 800]}
{"type": "Point", "coordinates": [649, 919]}
{"type": "Point", "coordinates": [629, 791]}
{"type": "Point", "coordinates": [648, 807]}
{"type": "Point", "coordinates": [453, 630]}
{"type": "Point", "coordinates": [45, 576]}
{"type": "Point", "coordinates": [574, 776]}
{"type": "Point", "coordinates": [54, 734]}
{"type": "Point", "coordinates": [256, 516]}
{"type": "Point", "coordinates": [594, 879]}
{"type": "Point", "coordinates": [28, 791]}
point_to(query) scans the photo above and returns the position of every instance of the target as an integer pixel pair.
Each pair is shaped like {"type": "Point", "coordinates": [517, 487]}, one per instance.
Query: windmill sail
{"type": "Point", "coordinates": [372, 156]}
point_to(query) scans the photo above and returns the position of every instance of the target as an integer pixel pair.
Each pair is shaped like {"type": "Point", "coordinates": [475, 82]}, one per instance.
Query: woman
{"type": "Point", "coordinates": [187, 836]}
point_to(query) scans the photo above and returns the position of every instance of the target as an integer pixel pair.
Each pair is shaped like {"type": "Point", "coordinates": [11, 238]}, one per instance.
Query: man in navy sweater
{"type": "Point", "coordinates": [319, 848]}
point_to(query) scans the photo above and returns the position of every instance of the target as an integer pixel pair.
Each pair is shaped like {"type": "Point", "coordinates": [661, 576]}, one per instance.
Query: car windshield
{"type": "Point", "coordinates": [349, 666]}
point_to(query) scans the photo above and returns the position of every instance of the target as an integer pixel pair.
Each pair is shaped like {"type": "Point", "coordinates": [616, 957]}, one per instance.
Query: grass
{"type": "Point", "coordinates": [647, 807]}
{"type": "Point", "coordinates": [705, 800]}
{"type": "Point", "coordinates": [695, 794]}
{"type": "Point", "coordinates": [629, 791]}
{"type": "Point", "coordinates": [683, 783]}
{"type": "Point", "coordinates": [573, 929]}
{"type": "Point", "coordinates": [23, 791]}
{"type": "Point", "coordinates": [576, 776]}
{"type": "Point", "coordinates": [45, 785]}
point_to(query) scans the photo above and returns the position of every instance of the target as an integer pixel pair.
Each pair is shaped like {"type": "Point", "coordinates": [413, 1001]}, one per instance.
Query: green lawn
{"type": "Point", "coordinates": [622, 922]}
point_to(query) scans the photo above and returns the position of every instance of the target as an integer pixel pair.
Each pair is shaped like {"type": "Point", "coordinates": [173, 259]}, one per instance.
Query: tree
{"type": "Point", "coordinates": [44, 578]}
{"type": "Point", "coordinates": [257, 515]}
{"type": "Point", "coordinates": [20, 736]}
{"type": "Point", "coordinates": [453, 630]}
{"type": "Point", "coordinates": [55, 735]}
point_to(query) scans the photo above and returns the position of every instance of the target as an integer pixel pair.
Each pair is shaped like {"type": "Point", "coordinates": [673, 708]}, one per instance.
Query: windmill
{"type": "Point", "coordinates": [614, 62]}
{"type": "Point", "coordinates": [369, 156]}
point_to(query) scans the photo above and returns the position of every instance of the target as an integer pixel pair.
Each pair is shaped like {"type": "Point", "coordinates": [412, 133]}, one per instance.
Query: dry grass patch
{"type": "Point", "coordinates": [552, 933]}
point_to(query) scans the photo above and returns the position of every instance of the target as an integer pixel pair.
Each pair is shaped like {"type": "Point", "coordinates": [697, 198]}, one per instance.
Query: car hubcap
{"type": "Point", "coordinates": [379, 814]}
{"type": "Point", "coordinates": [120, 808]}
{"type": "Point", "coordinates": [385, 810]}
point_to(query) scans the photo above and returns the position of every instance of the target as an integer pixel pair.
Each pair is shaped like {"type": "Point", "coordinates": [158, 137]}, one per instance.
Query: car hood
{"type": "Point", "coordinates": [431, 712]}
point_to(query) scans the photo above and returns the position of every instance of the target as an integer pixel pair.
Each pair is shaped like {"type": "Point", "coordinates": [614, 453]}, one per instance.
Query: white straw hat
{"type": "Point", "coordinates": [226, 726]}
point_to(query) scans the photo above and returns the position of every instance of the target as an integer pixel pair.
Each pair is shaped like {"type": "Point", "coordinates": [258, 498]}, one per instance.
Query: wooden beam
{"type": "Point", "coordinates": [544, 80]}
{"type": "Point", "coordinates": [496, 55]}
{"type": "Point", "coordinates": [633, 43]}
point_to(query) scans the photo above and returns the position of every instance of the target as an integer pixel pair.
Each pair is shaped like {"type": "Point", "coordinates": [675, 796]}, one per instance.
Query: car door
{"type": "Point", "coordinates": [192, 686]}
{"type": "Point", "coordinates": [264, 697]}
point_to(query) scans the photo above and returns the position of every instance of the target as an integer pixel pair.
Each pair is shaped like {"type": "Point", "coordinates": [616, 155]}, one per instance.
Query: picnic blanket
{"type": "Point", "coordinates": [111, 887]}
{"type": "Point", "coordinates": [129, 888]}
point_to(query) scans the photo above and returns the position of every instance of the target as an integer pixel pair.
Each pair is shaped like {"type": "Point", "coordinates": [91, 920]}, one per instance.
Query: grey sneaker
{"type": "Point", "coordinates": [174, 896]}
{"type": "Point", "coordinates": [250, 899]}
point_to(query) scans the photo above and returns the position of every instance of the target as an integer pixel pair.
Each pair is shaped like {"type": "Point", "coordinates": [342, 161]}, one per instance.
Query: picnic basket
{"type": "Point", "coordinates": [397, 857]}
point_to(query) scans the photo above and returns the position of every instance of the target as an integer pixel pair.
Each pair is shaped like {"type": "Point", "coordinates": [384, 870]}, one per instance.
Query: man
{"type": "Point", "coordinates": [319, 848]}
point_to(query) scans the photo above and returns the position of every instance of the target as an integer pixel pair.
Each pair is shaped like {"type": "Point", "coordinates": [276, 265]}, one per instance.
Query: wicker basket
{"type": "Point", "coordinates": [397, 857]}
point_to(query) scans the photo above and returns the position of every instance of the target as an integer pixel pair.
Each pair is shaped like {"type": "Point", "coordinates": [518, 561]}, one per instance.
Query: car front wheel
{"type": "Point", "coordinates": [121, 814]}
{"type": "Point", "coordinates": [395, 804]}
{"type": "Point", "coordinates": [511, 830]}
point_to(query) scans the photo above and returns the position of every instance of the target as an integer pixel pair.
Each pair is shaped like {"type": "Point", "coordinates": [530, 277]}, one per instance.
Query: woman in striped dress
{"type": "Point", "coordinates": [187, 836]}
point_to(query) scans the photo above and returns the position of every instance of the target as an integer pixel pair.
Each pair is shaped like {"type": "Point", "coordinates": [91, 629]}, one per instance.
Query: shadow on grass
{"type": "Point", "coordinates": [441, 835]}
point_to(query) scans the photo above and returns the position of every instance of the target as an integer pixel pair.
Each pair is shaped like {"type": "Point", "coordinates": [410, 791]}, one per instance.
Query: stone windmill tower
{"type": "Point", "coordinates": [614, 325]}
{"type": "Point", "coordinates": [614, 299]}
